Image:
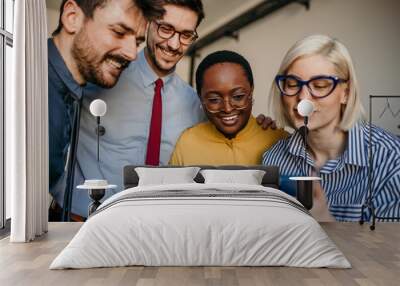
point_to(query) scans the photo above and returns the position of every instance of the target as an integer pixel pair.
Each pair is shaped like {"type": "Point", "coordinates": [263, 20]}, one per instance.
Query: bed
{"type": "Point", "coordinates": [201, 224]}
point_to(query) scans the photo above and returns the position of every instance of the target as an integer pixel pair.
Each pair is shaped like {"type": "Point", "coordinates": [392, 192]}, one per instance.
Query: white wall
{"type": "Point", "coordinates": [52, 20]}
{"type": "Point", "coordinates": [53, 14]}
{"type": "Point", "coordinates": [369, 28]}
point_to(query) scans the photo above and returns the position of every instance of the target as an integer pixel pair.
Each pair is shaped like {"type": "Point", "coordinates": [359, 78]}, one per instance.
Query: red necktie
{"type": "Point", "coordinates": [153, 144]}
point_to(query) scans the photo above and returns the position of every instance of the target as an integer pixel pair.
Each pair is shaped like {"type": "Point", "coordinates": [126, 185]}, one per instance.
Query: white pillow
{"type": "Point", "coordinates": [248, 177]}
{"type": "Point", "coordinates": [164, 176]}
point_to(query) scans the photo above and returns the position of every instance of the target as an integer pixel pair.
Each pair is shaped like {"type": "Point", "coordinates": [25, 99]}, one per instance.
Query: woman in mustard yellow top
{"type": "Point", "coordinates": [224, 82]}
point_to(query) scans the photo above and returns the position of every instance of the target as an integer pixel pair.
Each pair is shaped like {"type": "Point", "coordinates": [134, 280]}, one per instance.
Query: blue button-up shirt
{"type": "Point", "coordinates": [63, 90]}
{"type": "Point", "coordinates": [127, 123]}
{"type": "Point", "coordinates": [345, 179]}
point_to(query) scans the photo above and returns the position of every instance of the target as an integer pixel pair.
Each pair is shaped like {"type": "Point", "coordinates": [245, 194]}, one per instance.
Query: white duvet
{"type": "Point", "coordinates": [185, 230]}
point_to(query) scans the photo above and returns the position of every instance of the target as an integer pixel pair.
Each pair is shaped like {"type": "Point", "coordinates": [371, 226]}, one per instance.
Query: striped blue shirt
{"type": "Point", "coordinates": [345, 179]}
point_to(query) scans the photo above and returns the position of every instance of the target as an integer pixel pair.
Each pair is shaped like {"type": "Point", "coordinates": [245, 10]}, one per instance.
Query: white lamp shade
{"type": "Point", "coordinates": [98, 107]}
{"type": "Point", "coordinates": [305, 107]}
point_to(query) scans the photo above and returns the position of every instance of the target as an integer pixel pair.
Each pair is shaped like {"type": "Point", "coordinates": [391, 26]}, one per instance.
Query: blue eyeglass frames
{"type": "Point", "coordinates": [319, 87]}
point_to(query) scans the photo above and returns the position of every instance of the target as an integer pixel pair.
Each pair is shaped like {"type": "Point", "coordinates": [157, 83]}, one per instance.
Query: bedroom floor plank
{"type": "Point", "coordinates": [131, 276]}
{"type": "Point", "coordinates": [374, 255]}
{"type": "Point", "coordinates": [212, 272]}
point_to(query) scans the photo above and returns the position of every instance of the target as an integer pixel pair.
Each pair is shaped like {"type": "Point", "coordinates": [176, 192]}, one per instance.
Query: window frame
{"type": "Point", "coordinates": [6, 39]}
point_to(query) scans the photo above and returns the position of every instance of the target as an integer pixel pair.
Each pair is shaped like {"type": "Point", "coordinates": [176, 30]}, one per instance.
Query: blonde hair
{"type": "Point", "coordinates": [338, 55]}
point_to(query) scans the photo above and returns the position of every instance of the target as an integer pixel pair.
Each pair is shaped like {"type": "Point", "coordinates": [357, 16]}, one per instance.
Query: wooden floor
{"type": "Point", "coordinates": [374, 255]}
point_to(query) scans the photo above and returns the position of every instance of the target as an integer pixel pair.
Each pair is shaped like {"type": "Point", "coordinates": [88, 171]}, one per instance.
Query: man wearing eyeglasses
{"type": "Point", "coordinates": [147, 109]}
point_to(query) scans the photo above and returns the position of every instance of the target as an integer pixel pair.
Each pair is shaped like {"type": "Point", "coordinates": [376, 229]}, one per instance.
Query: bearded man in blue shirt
{"type": "Point", "coordinates": [130, 103]}
{"type": "Point", "coordinates": [94, 42]}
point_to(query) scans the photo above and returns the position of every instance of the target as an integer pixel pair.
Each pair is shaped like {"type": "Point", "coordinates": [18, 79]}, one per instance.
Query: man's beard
{"type": "Point", "coordinates": [153, 58]}
{"type": "Point", "coordinates": [90, 61]}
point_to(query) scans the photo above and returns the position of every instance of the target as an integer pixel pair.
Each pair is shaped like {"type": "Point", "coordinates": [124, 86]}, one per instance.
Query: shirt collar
{"type": "Point", "coordinates": [248, 129]}
{"type": "Point", "coordinates": [148, 74]}
{"type": "Point", "coordinates": [59, 66]}
{"type": "Point", "coordinates": [354, 154]}
{"type": "Point", "coordinates": [295, 144]}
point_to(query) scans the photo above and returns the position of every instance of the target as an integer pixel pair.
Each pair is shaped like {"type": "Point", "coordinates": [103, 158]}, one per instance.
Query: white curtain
{"type": "Point", "coordinates": [26, 124]}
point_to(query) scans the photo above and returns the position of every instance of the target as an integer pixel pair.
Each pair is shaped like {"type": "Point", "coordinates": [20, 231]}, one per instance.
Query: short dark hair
{"type": "Point", "coordinates": [194, 5]}
{"type": "Point", "coordinates": [151, 9]}
{"type": "Point", "coordinates": [222, 57]}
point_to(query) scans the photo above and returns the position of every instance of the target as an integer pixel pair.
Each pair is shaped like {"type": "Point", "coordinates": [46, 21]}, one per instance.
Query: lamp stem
{"type": "Point", "coordinates": [305, 143]}
{"type": "Point", "coordinates": [98, 138]}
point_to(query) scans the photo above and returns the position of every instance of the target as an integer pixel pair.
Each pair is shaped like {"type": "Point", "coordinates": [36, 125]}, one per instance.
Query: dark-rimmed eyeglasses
{"type": "Point", "coordinates": [215, 103]}
{"type": "Point", "coordinates": [167, 31]}
{"type": "Point", "coordinates": [319, 87]}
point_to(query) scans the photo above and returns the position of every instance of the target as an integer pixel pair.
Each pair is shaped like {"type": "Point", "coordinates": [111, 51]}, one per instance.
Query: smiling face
{"type": "Point", "coordinates": [327, 110]}
{"type": "Point", "coordinates": [106, 43]}
{"type": "Point", "coordinates": [228, 83]}
{"type": "Point", "coordinates": [164, 54]}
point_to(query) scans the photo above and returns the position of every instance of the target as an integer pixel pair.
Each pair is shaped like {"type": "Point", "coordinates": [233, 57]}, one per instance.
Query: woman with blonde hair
{"type": "Point", "coordinates": [319, 69]}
